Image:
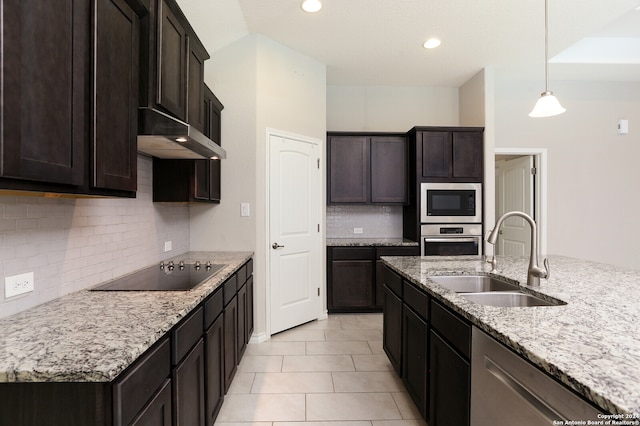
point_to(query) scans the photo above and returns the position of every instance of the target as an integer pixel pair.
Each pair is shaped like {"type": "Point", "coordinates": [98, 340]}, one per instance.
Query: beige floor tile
{"type": "Point", "coordinates": [372, 363]}
{"type": "Point", "coordinates": [351, 406]}
{"type": "Point", "coordinates": [292, 383]}
{"type": "Point", "coordinates": [261, 364]}
{"type": "Point", "coordinates": [376, 347]}
{"type": "Point", "coordinates": [331, 322]}
{"type": "Point", "coordinates": [299, 335]}
{"type": "Point", "coordinates": [352, 335]}
{"type": "Point", "coordinates": [361, 321]}
{"type": "Point", "coordinates": [406, 406]}
{"type": "Point", "coordinates": [398, 423]}
{"type": "Point", "coordinates": [242, 383]}
{"type": "Point", "coordinates": [275, 348]}
{"type": "Point", "coordinates": [262, 408]}
{"type": "Point", "coordinates": [293, 363]}
{"type": "Point", "coordinates": [338, 348]}
{"type": "Point", "coordinates": [346, 423]}
{"type": "Point", "coordinates": [244, 424]}
{"type": "Point", "coordinates": [367, 381]}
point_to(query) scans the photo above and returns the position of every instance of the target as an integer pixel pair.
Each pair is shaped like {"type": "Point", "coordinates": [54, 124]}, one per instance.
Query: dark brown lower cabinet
{"type": "Point", "coordinates": [415, 346]}
{"type": "Point", "coordinates": [241, 339]}
{"type": "Point", "coordinates": [158, 411]}
{"type": "Point", "coordinates": [214, 366]}
{"type": "Point", "coordinates": [230, 346]}
{"type": "Point", "coordinates": [449, 386]}
{"type": "Point", "coordinates": [188, 388]}
{"type": "Point", "coordinates": [392, 329]}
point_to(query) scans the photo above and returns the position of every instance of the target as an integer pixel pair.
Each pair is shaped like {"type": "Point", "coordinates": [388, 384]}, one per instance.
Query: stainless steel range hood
{"type": "Point", "coordinates": [163, 136]}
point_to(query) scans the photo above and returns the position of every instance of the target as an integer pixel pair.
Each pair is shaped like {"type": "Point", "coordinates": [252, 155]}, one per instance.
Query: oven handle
{"type": "Point", "coordinates": [451, 240]}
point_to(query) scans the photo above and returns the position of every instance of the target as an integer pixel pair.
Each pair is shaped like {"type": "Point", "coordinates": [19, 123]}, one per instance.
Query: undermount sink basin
{"type": "Point", "coordinates": [511, 299]}
{"type": "Point", "coordinates": [473, 283]}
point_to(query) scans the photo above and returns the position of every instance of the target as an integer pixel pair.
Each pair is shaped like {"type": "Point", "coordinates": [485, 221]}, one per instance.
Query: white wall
{"type": "Point", "coordinates": [593, 172]}
{"type": "Point", "coordinates": [72, 244]}
{"type": "Point", "coordinates": [390, 109]}
{"type": "Point", "coordinates": [262, 84]}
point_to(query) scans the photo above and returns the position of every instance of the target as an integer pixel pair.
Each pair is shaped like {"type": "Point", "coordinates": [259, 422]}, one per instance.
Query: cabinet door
{"type": "Point", "coordinates": [158, 412]}
{"type": "Point", "coordinates": [45, 84]}
{"type": "Point", "coordinates": [202, 180]}
{"type": "Point", "coordinates": [348, 169]}
{"type": "Point", "coordinates": [249, 313]}
{"type": "Point", "coordinates": [230, 346]}
{"type": "Point", "coordinates": [351, 284]}
{"type": "Point", "coordinates": [115, 101]}
{"type": "Point", "coordinates": [449, 385]}
{"type": "Point", "coordinates": [172, 60]}
{"type": "Point", "coordinates": [415, 335]}
{"type": "Point", "coordinates": [242, 321]}
{"type": "Point", "coordinates": [436, 154]}
{"type": "Point", "coordinates": [389, 177]}
{"type": "Point", "coordinates": [195, 84]}
{"type": "Point", "coordinates": [467, 155]}
{"type": "Point", "coordinates": [392, 329]}
{"type": "Point", "coordinates": [188, 388]}
{"type": "Point", "coordinates": [214, 352]}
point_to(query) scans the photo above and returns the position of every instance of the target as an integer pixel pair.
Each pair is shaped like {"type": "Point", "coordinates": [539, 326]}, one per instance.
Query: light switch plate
{"type": "Point", "coordinates": [357, 230]}
{"type": "Point", "coordinates": [18, 284]}
{"type": "Point", "coordinates": [245, 210]}
{"type": "Point", "coordinates": [167, 246]}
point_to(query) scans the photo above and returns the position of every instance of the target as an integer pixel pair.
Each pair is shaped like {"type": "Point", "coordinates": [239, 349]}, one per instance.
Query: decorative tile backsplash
{"type": "Point", "coordinates": [374, 221]}
{"type": "Point", "coordinates": [71, 243]}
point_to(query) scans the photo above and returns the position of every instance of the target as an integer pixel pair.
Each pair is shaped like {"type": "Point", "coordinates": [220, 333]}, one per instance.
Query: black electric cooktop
{"type": "Point", "coordinates": [163, 278]}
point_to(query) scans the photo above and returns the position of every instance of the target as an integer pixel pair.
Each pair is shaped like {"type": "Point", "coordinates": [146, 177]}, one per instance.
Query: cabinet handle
{"type": "Point", "coordinates": [276, 246]}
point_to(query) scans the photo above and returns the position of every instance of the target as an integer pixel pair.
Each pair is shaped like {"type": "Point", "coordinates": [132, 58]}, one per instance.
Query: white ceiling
{"type": "Point", "coordinates": [379, 42]}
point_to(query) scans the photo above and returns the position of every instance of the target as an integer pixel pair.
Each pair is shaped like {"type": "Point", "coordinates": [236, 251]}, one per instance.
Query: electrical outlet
{"type": "Point", "coordinates": [357, 230]}
{"type": "Point", "coordinates": [245, 210]}
{"type": "Point", "coordinates": [18, 284]}
{"type": "Point", "coordinates": [167, 246]}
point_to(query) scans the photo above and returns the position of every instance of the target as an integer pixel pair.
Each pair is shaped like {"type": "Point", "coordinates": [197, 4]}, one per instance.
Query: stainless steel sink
{"type": "Point", "coordinates": [510, 299]}
{"type": "Point", "coordinates": [473, 283]}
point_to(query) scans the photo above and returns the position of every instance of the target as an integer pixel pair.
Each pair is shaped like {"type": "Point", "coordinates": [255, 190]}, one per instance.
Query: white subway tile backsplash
{"type": "Point", "coordinates": [375, 221]}
{"type": "Point", "coordinates": [72, 244]}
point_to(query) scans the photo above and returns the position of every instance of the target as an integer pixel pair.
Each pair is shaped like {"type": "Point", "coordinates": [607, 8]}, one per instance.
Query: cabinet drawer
{"type": "Point", "coordinates": [416, 300]}
{"type": "Point", "coordinates": [135, 388]}
{"type": "Point", "coordinates": [392, 280]}
{"type": "Point", "coordinates": [249, 268]}
{"type": "Point", "coordinates": [185, 335]}
{"type": "Point", "coordinates": [213, 307]}
{"type": "Point", "coordinates": [241, 275]}
{"type": "Point", "coordinates": [352, 253]}
{"type": "Point", "coordinates": [397, 251]}
{"type": "Point", "coordinates": [230, 287]}
{"type": "Point", "coordinates": [451, 327]}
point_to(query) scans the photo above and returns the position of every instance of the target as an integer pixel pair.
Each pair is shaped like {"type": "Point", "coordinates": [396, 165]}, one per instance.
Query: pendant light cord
{"type": "Point", "coordinates": [546, 47]}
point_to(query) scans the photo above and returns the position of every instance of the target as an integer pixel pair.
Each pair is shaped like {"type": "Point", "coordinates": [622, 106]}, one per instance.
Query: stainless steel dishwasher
{"type": "Point", "coordinates": [507, 390]}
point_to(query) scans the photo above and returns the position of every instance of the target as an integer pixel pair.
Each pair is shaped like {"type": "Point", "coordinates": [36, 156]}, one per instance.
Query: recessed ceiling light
{"type": "Point", "coordinates": [311, 6]}
{"type": "Point", "coordinates": [432, 43]}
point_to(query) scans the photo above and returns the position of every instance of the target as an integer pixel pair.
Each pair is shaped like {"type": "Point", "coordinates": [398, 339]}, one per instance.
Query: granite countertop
{"type": "Point", "coordinates": [92, 336]}
{"type": "Point", "coordinates": [591, 344]}
{"type": "Point", "coordinates": [367, 242]}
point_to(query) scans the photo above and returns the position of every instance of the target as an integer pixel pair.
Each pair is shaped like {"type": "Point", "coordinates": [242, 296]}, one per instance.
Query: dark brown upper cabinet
{"type": "Point", "coordinates": [367, 169]}
{"type": "Point", "coordinates": [173, 64]}
{"type": "Point", "coordinates": [452, 156]}
{"type": "Point", "coordinates": [69, 83]}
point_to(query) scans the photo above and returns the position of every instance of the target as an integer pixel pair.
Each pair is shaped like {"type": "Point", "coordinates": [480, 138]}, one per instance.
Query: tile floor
{"type": "Point", "coordinates": [329, 373]}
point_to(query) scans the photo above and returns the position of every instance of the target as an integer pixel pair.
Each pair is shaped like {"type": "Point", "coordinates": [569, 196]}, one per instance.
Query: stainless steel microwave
{"type": "Point", "coordinates": [451, 203]}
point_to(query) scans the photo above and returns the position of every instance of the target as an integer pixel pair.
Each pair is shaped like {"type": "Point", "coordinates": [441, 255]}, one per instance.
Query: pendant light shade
{"type": "Point", "coordinates": [547, 105]}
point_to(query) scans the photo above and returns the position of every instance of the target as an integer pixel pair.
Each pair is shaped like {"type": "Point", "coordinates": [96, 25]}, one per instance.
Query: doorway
{"type": "Point", "coordinates": [295, 285]}
{"type": "Point", "coordinates": [521, 184]}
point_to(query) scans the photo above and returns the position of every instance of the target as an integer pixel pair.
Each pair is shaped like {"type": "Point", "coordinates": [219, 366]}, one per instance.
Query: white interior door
{"type": "Point", "coordinates": [294, 228]}
{"type": "Point", "coordinates": [514, 191]}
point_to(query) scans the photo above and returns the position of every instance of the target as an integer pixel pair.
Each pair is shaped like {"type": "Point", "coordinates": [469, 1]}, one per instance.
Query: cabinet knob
{"type": "Point", "coordinates": [276, 246]}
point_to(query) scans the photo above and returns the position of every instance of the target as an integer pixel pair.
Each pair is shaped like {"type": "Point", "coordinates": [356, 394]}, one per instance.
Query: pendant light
{"type": "Point", "coordinates": [547, 104]}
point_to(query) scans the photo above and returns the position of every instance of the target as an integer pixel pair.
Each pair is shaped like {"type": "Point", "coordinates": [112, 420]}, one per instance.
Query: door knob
{"type": "Point", "coordinates": [276, 246]}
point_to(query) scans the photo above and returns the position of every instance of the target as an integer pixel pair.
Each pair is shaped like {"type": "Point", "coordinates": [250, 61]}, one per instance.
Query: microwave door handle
{"type": "Point", "coordinates": [451, 240]}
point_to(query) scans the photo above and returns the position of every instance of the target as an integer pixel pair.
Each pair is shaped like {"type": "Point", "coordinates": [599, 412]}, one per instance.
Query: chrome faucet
{"type": "Point", "coordinates": [535, 272]}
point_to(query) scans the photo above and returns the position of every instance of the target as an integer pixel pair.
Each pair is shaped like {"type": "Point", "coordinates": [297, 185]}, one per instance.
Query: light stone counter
{"type": "Point", "coordinates": [591, 344]}
{"type": "Point", "coordinates": [370, 242]}
{"type": "Point", "coordinates": [92, 336]}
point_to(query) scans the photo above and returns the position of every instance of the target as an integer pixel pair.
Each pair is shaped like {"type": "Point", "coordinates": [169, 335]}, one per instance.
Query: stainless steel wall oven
{"type": "Point", "coordinates": [451, 239]}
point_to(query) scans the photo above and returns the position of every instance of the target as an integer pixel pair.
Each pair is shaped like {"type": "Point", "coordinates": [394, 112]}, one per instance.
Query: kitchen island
{"type": "Point", "coordinates": [591, 344]}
